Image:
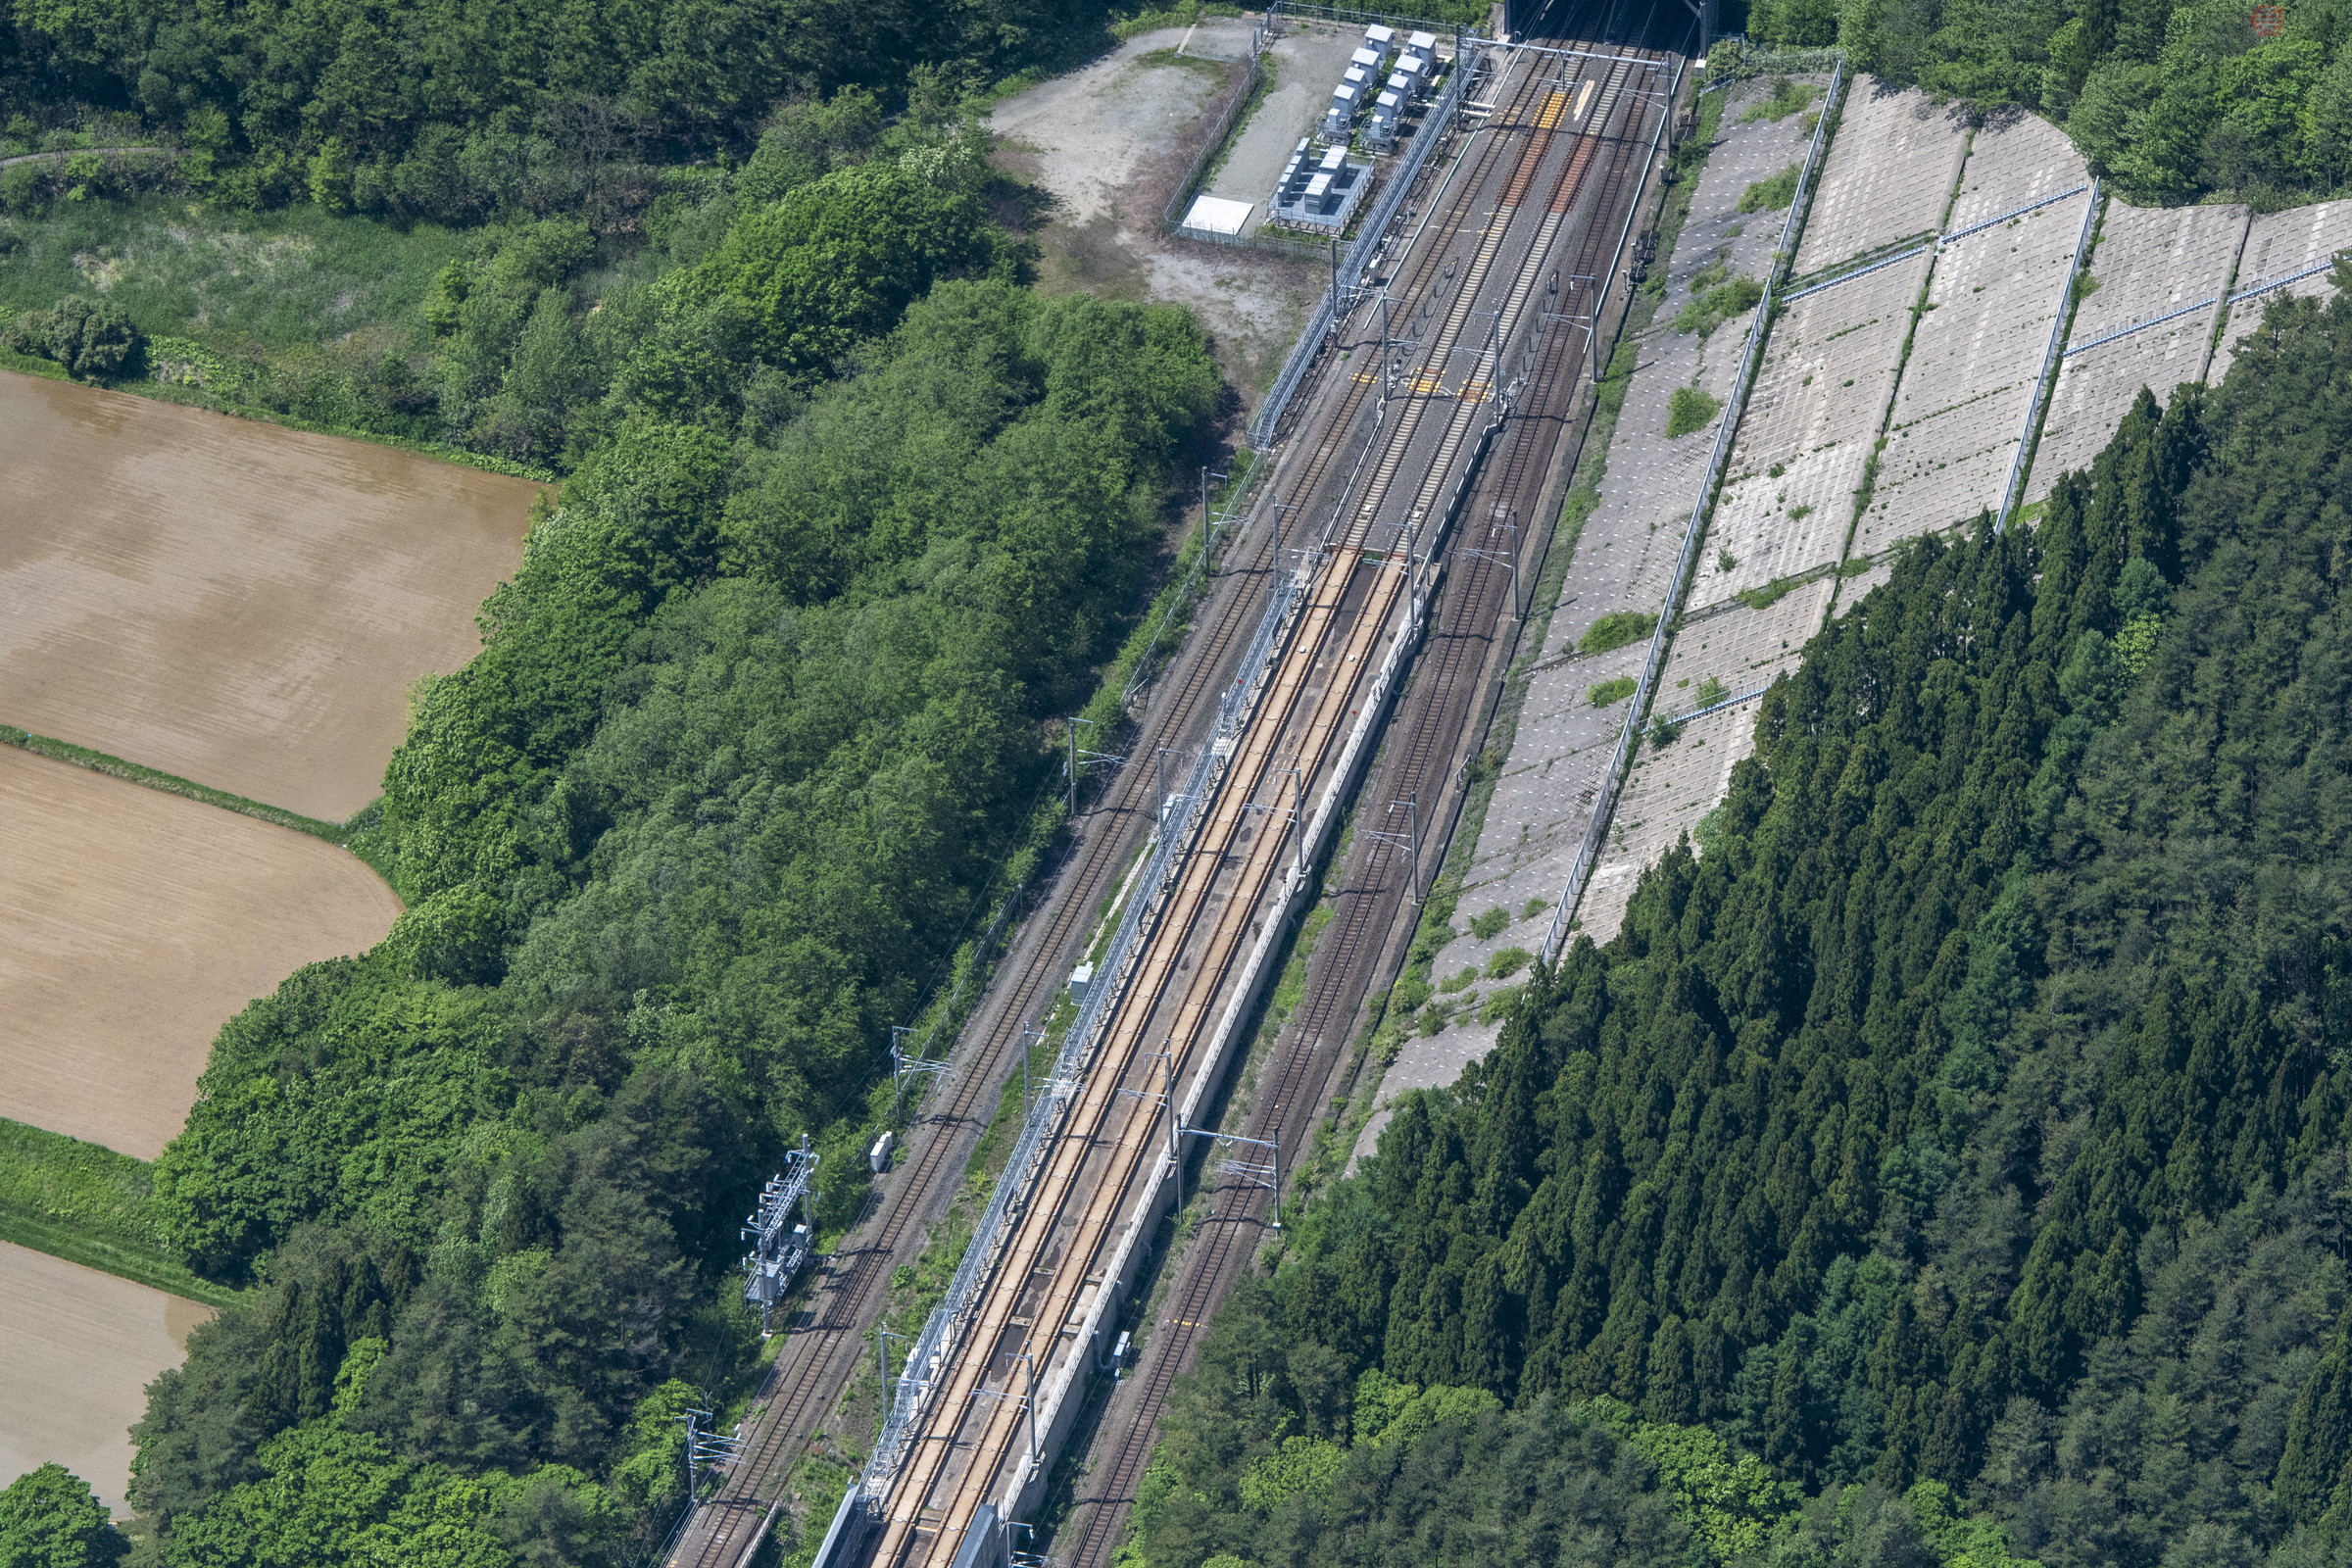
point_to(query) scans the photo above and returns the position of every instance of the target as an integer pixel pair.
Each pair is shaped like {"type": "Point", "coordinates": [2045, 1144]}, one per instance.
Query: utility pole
{"type": "Point", "coordinates": [1030, 1362]}
{"type": "Point", "coordinates": [1297, 822]}
{"type": "Point", "coordinates": [1027, 1037]}
{"type": "Point", "coordinates": [1279, 506]}
{"type": "Point", "coordinates": [882, 1361]}
{"type": "Point", "coordinates": [1167, 1070]}
{"type": "Point", "coordinates": [1241, 1167]}
{"type": "Point", "coordinates": [1412, 828]}
{"type": "Point", "coordinates": [1386, 389]}
{"type": "Point", "coordinates": [901, 1068]}
{"type": "Point", "coordinates": [1518, 590]}
{"type": "Point", "coordinates": [1409, 841]}
{"type": "Point", "coordinates": [1205, 475]}
{"type": "Point", "coordinates": [898, 1069]}
{"type": "Point", "coordinates": [1167, 1097]}
{"type": "Point", "coordinates": [1079, 757]}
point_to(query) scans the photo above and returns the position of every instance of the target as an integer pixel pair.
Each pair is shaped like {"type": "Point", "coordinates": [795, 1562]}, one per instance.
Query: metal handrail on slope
{"type": "Point", "coordinates": [1587, 851]}
{"type": "Point", "coordinates": [2245, 294]}
{"type": "Point", "coordinates": [2173, 315]}
{"type": "Point", "coordinates": [1936, 244]}
{"type": "Point", "coordinates": [2021, 464]}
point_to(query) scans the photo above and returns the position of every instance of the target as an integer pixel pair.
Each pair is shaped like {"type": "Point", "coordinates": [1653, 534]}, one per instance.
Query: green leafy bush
{"type": "Point", "coordinates": [1489, 925]}
{"type": "Point", "coordinates": [1787, 95]}
{"type": "Point", "coordinates": [50, 1519]}
{"type": "Point", "coordinates": [1509, 962]}
{"type": "Point", "coordinates": [1771, 193]}
{"type": "Point", "coordinates": [1718, 305]}
{"type": "Point", "coordinates": [93, 340]}
{"type": "Point", "coordinates": [1616, 689]}
{"type": "Point", "coordinates": [1615, 630]}
{"type": "Point", "coordinates": [1689, 410]}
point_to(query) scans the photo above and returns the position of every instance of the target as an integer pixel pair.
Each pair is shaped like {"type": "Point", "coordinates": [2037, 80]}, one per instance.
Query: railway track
{"type": "Point", "coordinates": [825, 1352]}
{"type": "Point", "coordinates": [1431, 725]}
{"type": "Point", "coordinates": [828, 1346]}
{"type": "Point", "coordinates": [964, 1448]}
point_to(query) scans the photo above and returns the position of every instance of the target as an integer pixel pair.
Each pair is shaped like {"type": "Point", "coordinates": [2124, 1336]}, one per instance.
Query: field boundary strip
{"type": "Point", "coordinates": [152, 778]}
{"type": "Point", "coordinates": [90, 1206]}
{"type": "Point", "coordinates": [118, 1258]}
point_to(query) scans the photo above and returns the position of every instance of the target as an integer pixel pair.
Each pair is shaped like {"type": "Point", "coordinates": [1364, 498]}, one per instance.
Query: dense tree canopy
{"type": "Point", "coordinates": [2170, 98]}
{"type": "Point", "coordinates": [752, 732]}
{"type": "Point", "coordinates": [449, 111]}
{"type": "Point", "coordinates": [49, 1519]}
{"type": "Point", "coordinates": [1973, 1113]}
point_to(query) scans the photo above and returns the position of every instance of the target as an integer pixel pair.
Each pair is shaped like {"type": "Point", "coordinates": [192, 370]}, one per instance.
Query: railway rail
{"type": "Point", "coordinates": [827, 1343]}
{"type": "Point", "coordinates": [1453, 681]}
{"type": "Point", "coordinates": [825, 1351]}
{"type": "Point", "coordinates": [965, 1452]}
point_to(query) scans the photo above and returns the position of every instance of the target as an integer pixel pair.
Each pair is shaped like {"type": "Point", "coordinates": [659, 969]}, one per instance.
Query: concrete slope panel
{"type": "Point", "coordinates": [2150, 262]}
{"type": "Point", "coordinates": [1888, 175]}
{"type": "Point", "coordinates": [1814, 414]}
{"type": "Point", "coordinates": [2012, 163]}
{"type": "Point", "coordinates": [1962, 404]}
{"type": "Point", "coordinates": [2280, 245]}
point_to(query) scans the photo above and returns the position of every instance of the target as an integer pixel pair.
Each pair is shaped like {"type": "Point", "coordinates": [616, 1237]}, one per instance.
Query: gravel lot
{"type": "Point", "coordinates": [1110, 143]}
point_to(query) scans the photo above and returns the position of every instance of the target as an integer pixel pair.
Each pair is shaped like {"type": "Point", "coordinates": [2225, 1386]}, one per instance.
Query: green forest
{"type": "Point", "coordinates": [756, 730]}
{"type": "Point", "coordinates": [760, 738]}
{"type": "Point", "coordinates": [425, 108]}
{"type": "Point", "coordinates": [2171, 101]}
{"type": "Point", "coordinates": [1949, 1166]}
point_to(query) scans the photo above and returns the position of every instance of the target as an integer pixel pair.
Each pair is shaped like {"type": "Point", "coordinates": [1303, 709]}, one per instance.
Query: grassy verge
{"type": "Point", "coordinates": [169, 783]}
{"type": "Point", "coordinates": [1169, 616]}
{"type": "Point", "coordinates": [1182, 14]}
{"type": "Point", "coordinates": [243, 284]}
{"type": "Point", "coordinates": [89, 1205]}
{"type": "Point", "coordinates": [259, 315]}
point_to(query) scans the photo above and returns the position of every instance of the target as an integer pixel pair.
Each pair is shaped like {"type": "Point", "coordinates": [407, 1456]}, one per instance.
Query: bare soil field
{"type": "Point", "coordinates": [1110, 143]}
{"type": "Point", "coordinates": [238, 604]}
{"type": "Point", "coordinates": [80, 1348]}
{"type": "Point", "coordinates": [132, 925]}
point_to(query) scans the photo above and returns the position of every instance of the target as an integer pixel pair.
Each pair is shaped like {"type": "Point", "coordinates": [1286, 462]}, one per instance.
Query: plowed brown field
{"type": "Point", "coordinates": [78, 1352]}
{"type": "Point", "coordinates": [238, 604]}
{"type": "Point", "coordinates": [132, 925]}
